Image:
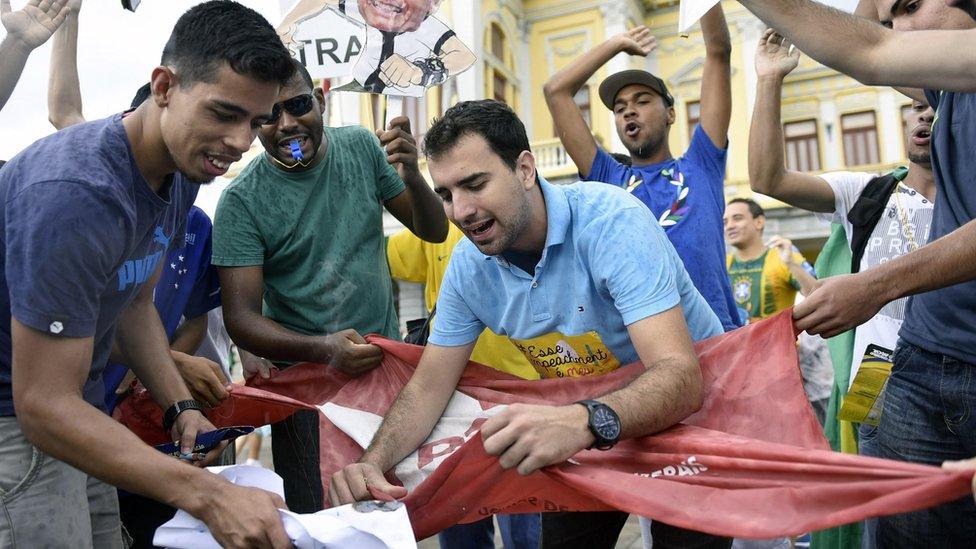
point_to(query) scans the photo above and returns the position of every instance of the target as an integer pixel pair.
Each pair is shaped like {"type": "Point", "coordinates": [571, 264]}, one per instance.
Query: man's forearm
{"type": "Point", "coordinates": [189, 335]}
{"type": "Point", "coordinates": [669, 391]}
{"type": "Point", "coordinates": [64, 88]}
{"type": "Point", "coordinates": [429, 221]}
{"type": "Point", "coordinates": [766, 164]}
{"type": "Point", "coordinates": [406, 425]}
{"type": "Point", "coordinates": [71, 430]}
{"type": "Point", "coordinates": [266, 338]}
{"type": "Point", "coordinates": [944, 262]}
{"type": "Point", "coordinates": [142, 341]}
{"type": "Point", "coordinates": [806, 280]}
{"type": "Point", "coordinates": [831, 36]}
{"type": "Point", "coordinates": [715, 32]}
{"type": "Point", "coordinates": [13, 57]}
{"type": "Point", "coordinates": [869, 52]}
{"type": "Point", "coordinates": [573, 76]}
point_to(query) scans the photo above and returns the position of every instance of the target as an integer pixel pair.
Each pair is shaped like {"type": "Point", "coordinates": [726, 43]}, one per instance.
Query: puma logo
{"type": "Point", "coordinates": [160, 237]}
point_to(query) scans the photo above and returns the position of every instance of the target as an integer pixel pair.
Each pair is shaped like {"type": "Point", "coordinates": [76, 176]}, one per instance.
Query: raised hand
{"type": "Point", "coordinates": [35, 23]}
{"type": "Point", "coordinates": [775, 55]}
{"type": "Point", "coordinates": [400, 147]}
{"type": "Point", "coordinates": [637, 41]}
{"type": "Point", "coordinates": [784, 247]}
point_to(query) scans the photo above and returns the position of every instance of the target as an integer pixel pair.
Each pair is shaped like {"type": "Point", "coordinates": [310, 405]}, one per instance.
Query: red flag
{"type": "Point", "coordinates": [752, 463]}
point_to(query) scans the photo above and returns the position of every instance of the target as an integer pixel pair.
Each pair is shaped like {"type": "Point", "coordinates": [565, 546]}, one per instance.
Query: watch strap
{"type": "Point", "coordinates": [178, 407]}
{"type": "Point", "coordinates": [599, 442]}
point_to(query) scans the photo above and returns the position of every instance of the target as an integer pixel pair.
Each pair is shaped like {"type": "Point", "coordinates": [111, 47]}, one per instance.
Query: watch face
{"type": "Point", "coordinates": [605, 423]}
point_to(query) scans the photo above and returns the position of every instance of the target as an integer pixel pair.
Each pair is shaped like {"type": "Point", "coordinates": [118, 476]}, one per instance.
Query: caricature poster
{"type": "Point", "coordinates": [401, 49]}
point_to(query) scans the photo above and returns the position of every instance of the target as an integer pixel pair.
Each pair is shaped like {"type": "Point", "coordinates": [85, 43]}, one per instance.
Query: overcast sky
{"type": "Point", "coordinates": [117, 52]}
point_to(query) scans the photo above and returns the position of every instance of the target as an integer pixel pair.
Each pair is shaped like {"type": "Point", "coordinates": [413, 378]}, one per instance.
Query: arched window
{"type": "Point", "coordinates": [499, 65]}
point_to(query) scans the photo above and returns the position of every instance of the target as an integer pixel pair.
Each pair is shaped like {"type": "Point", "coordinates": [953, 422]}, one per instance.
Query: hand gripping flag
{"type": "Point", "coordinates": [751, 463]}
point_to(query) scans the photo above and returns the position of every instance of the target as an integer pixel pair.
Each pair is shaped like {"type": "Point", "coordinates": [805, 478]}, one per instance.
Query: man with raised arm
{"type": "Point", "coordinates": [927, 45]}
{"type": "Point", "coordinates": [685, 194]}
{"type": "Point", "coordinates": [582, 269]}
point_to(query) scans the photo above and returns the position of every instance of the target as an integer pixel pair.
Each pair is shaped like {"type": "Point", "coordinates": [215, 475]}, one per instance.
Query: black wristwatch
{"type": "Point", "coordinates": [180, 406]}
{"type": "Point", "coordinates": [603, 423]}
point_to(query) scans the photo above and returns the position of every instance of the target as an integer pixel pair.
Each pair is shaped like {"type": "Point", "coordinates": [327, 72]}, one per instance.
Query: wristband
{"type": "Point", "coordinates": [178, 407]}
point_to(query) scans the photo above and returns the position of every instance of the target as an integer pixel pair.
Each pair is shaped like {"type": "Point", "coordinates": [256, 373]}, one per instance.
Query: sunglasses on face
{"type": "Point", "coordinates": [299, 105]}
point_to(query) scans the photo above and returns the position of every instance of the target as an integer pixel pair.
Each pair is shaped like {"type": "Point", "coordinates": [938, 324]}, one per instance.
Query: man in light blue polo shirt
{"type": "Point", "coordinates": [583, 280]}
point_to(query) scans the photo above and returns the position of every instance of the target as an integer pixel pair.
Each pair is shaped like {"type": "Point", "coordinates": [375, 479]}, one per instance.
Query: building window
{"type": "Point", "coordinates": [499, 66]}
{"type": "Point", "coordinates": [802, 146]}
{"type": "Point", "coordinates": [499, 87]}
{"type": "Point", "coordinates": [694, 116]}
{"type": "Point", "coordinates": [497, 42]}
{"type": "Point", "coordinates": [860, 134]}
{"type": "Point", "coordinates": [906, 132]}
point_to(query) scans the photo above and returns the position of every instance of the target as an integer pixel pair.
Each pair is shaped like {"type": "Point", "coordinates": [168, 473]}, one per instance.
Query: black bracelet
{"type": "Point", "coordinates": [180, 406]}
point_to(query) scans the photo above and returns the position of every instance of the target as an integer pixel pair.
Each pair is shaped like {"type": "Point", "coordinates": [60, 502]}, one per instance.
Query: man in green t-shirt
{"type": "Point", "coordinates": [298, 240]}
{"type": "Point", "coordinates": [765, 276]}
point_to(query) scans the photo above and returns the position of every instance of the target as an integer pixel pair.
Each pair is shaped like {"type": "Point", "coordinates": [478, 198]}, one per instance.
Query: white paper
{"type": "Point", "coordinates": [691, 11]}
{"type": "Point", "coordinates": [365, 525]}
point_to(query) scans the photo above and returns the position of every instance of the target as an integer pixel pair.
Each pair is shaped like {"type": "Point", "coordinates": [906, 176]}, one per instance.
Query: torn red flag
{"type": "Point", "coordinates": [752, 463]}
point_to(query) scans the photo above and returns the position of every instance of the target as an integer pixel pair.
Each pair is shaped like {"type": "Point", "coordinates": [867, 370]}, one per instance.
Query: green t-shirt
{"type": "Point", "coordinates": [763, 286]}
{"type": "Point", "coordinates": [318, 234]}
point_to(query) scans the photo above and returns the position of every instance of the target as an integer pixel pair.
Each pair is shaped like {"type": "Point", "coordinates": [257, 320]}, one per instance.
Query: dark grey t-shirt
{"type": "Point", "coordinates": [944, 321]}
{"type": "Point", "coordinates": [82, 233]}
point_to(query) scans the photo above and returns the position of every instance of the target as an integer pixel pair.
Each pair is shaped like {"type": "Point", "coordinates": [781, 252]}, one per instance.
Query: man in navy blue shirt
{"type": "Point", "coordinates": [930, 395]}
{"type": "Point", "coordinates": [88, 214]}
{"type": "Point", "coordinates": [685, 194]}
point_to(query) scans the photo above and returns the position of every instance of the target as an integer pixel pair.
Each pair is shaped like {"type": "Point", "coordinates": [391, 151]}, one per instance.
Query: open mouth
{"type": "Point", "coordinates": [218, 165]}
{"type": "Point", "coordinates": [922, 136]}
{"type": "Point", "coordinates": [480, 229]}
{"type": "Point", "coordinates": [631, 129]}
{"type": "Point", "coordinates": [386, 7]}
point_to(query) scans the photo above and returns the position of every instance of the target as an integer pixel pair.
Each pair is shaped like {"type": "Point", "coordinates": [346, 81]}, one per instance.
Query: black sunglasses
{"type": "Point", "coordinates": [296, 106]}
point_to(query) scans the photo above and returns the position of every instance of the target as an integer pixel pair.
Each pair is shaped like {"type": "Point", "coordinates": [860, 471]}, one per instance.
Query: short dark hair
{"type": "Point", "coordinates": [496, 122]}
{"type": "Point", "coordinates": [141, 95]}
{"type": "Point", "coordinates": [225, 31]}
{"type": "Point", "coordinates": [302, 73]}
{"type": "Point", "coordinates": [754, 208]}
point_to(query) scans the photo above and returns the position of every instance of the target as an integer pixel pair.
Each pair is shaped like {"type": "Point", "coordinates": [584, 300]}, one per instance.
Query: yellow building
{"type": "Point", "coordinates": [831, 122]}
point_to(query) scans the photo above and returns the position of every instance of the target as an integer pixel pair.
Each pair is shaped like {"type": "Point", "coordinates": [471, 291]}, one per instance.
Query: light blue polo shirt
{"type": "Point", "coordinates": [606, 264]}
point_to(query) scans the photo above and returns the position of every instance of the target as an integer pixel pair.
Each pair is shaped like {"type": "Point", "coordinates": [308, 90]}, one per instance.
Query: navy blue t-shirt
{"type": "Point", "coordinates": [687, 197]}
{"type": "Point", "coordinates": [944, 321]}
{"type": "Point", "coordinates": [187, 288]}
{"type": "Point", "coordinates": [82, 233]}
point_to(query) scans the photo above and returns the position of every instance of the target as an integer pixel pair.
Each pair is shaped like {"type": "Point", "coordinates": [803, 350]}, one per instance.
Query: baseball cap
{"type": "Point", "coordinates": [610, 87]}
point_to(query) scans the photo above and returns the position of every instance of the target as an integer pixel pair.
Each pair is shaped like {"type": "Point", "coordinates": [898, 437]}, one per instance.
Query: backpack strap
{"type": "Point", "coordinates": [867, 211]}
